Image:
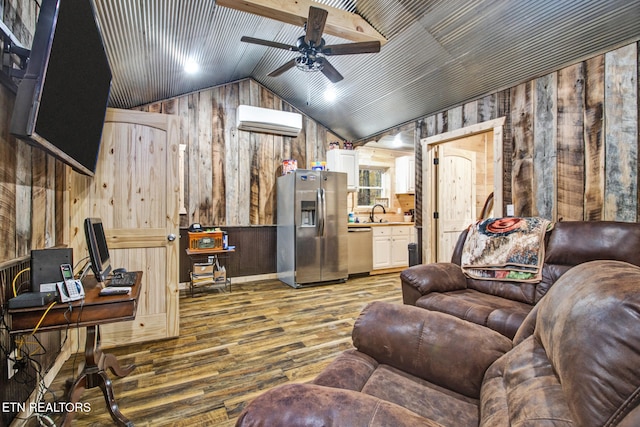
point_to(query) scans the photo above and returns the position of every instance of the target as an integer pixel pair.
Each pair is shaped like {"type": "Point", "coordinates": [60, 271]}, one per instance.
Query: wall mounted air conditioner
{"type": "Point", "coordinates": [256, 119]}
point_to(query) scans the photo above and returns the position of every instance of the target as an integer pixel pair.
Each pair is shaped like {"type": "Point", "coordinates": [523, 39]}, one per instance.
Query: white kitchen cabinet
{"type": "Point", "coordinates": [400, 238]}
{"type": "Point", "coordinates": [345, 161]}
{"type": "Point", "coordinates": [405, 174]}
{"type": "Point", "coordinates": [390, 246]}
{"type": "Point", "coordinates": [381, 247]}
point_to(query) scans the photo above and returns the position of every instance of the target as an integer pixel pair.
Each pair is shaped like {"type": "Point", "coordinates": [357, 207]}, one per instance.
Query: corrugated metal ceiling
{"type": "Point", "coordinates": [439, 52]}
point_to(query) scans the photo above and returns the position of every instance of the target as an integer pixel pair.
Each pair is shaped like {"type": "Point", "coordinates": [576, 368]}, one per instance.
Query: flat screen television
{"type": "Point", "coordinates": [62, 99]}
{"type": "Point", "coordinates": [98, 249]}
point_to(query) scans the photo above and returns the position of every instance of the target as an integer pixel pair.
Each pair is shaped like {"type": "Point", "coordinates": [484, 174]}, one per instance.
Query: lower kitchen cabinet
{"type": "Point", "coordinates": [390, 245]}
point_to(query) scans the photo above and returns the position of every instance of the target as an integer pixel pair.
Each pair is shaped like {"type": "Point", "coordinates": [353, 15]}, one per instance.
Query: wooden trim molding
{"type": "Point", "coordinates": [429, 202]}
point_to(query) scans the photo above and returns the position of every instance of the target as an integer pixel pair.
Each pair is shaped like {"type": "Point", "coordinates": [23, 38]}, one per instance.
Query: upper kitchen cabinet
{"type": "Point", "coordinates": [405, 175]}
{"type": "Point", "coordinates": [345, 161]}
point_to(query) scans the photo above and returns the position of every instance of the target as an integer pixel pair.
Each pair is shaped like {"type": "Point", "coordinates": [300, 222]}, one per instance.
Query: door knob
{"type": "Point", "coordinates": [171, 237]}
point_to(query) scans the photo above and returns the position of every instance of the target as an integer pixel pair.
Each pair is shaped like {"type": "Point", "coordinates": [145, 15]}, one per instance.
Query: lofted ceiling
{"type": "Point", "coordinates": [438, 53]}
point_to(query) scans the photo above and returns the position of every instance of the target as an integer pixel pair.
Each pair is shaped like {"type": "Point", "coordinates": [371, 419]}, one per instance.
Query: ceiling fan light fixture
{"type": "Point", "coordinates": [305, 63]}
{"type": "Point", "coordinates": [312, 48]}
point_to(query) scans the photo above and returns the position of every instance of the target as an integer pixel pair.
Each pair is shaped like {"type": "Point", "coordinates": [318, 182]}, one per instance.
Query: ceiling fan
{"type": "Point", "coordinates": [312, 48]}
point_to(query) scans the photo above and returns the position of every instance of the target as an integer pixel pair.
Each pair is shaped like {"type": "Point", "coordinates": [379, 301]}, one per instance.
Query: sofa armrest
{"type": "Point", "coordinates": [437, 347]}
{"type": "Point", "coordinates": [314, 405]}
{"type": "Point", "coordinates": [435, 277]}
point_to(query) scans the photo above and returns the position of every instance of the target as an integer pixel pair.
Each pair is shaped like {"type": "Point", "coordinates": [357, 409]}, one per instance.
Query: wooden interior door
{"type": "Point", "coordinates": [456, 196]}
{"type": "Point", "coordinates": [135, 191]}
{"type": "Point", "coordinates": [486, 140]}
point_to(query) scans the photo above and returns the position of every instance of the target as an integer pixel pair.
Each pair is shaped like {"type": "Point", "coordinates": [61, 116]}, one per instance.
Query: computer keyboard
{"type": "Point", "coordinates": [123, 279]}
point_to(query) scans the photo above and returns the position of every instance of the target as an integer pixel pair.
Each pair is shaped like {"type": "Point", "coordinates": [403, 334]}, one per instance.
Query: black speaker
{"type": "Point", "coordinates": [45, 265]}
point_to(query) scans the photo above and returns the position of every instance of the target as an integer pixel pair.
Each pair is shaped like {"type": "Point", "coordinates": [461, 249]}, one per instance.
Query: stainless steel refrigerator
{"type": "Point", "coordinates": [312, 228]}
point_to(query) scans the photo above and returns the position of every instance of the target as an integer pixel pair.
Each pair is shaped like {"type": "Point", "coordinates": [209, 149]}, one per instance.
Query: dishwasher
{"type": "Point", "coordinates": [360, 241]}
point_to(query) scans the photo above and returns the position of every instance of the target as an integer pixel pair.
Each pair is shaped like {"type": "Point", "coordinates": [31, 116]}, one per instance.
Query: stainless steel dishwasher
{"type": "Point", "coordinates": [360, 250]}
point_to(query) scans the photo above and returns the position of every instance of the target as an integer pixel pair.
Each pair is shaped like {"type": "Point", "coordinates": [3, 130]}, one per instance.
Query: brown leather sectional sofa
{"type": "Point", "coordinates": [573, 362]}
{"type": "Point", "coordinates": [502, 306]}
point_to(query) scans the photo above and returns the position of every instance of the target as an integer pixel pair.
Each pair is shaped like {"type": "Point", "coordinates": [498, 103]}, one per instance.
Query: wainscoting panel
{"type": "Point", "coordinates": [255, 251]}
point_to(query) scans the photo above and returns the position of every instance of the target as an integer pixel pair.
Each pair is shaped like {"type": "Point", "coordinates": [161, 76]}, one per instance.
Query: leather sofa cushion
{"type": "Point", "coordinates": [419, 396]}
{"type": "Point", "coordinates": [356, 371]}
{"type": "Point", "coordinates": [500, 314]}
{"type": "Point", "coordinates": [516, 291]}
{"type": "Point", "coordinates": [430, 345]}
{"type": "Point", "coordinates": [575, 242]}
{"type": "Point", "coordinates": [314, 405]}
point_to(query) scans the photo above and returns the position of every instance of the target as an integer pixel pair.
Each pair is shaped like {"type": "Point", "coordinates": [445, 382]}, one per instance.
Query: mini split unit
{"type": "Point", "coordinates": [256, 119]}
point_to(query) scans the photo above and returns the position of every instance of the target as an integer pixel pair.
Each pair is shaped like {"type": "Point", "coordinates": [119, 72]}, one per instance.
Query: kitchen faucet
{"type": "Point", "coordinates": [384, 211]}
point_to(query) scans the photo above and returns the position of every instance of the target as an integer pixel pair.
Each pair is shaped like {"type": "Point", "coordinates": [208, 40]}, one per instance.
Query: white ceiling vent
{"type": "Point", "coordinates": [256, 119]}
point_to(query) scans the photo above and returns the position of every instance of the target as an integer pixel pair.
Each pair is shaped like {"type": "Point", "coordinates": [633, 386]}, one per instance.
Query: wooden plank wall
{"type": "Point", "coordinates": [31, 182]}
{"type": "Point", "coordinates": [31, 187]}
{"type": "Point", "coordinates": [570, 139]}
{"type": "Point", "coordinates": [230, 175]}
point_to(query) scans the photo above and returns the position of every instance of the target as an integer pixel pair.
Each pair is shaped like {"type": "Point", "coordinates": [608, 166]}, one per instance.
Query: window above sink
{"type": "Point", "coordinates": [373, 185]}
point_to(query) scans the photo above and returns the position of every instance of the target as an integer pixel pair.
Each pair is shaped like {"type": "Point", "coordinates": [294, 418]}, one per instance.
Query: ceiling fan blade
{"type": "Point", "coordinates": [283, 68]}
{"type": "Point", "coordinates": [269, 43]}
{"type": "Point", "coordinates": [315, 25]}
{"type": "Point", "coordinates": [330, 72]}
{"type": "Point", "coordinates": [352, 48]}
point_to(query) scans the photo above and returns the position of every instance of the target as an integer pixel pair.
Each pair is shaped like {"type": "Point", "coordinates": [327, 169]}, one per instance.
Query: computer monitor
{"type": "Point", "coordinates": [98, 250]}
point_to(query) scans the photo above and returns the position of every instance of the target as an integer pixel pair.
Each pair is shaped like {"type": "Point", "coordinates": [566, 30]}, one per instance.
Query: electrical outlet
{"type": "Point", "coordinates": [11, 370]}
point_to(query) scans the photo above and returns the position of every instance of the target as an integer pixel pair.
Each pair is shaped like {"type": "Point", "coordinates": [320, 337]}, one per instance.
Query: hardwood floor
{"type": "Point", "coordinates": [232, 347]}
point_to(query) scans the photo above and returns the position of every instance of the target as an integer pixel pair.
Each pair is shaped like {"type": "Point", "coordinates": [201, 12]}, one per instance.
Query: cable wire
{"type": "Point", "coordinates": [15, 278]}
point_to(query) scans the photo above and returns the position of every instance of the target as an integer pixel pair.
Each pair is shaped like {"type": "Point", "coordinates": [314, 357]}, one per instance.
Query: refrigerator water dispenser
{"type": "Point", "coordinates": [308, 213]}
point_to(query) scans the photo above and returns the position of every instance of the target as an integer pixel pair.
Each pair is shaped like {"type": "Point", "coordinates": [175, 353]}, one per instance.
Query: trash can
{"type": "Point", "coordinates": [413, 254]}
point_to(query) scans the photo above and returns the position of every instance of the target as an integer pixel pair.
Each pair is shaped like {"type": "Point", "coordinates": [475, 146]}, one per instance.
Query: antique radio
{"type": "Point", "coordinates": [206, 241]}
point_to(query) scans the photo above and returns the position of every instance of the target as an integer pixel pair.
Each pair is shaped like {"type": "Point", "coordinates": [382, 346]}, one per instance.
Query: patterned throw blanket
{"type": "Point", "coordinates": [510, 249]}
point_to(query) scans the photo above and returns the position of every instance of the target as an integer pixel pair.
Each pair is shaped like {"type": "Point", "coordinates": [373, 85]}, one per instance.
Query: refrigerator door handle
{"type": "Point", "coordinates": [322, 211]}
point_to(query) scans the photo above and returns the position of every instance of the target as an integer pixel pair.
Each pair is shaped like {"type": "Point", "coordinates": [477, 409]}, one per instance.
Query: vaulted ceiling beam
{"type": "Point", "coordinates": [340, 23]}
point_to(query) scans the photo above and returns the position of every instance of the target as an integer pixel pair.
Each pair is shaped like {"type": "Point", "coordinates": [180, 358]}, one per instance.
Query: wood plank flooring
{"type": "Point", "coordinates": [232, 347]}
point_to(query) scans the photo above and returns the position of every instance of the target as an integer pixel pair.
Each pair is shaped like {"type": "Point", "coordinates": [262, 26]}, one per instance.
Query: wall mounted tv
{"type": "Point", "coordinates": [62, 100]}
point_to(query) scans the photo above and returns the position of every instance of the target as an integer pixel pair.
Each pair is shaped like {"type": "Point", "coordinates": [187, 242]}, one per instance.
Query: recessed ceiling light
{"type": "Point", "coordinates": [191, 67]}
{"type": "Point", "coordinates": [330, 94]}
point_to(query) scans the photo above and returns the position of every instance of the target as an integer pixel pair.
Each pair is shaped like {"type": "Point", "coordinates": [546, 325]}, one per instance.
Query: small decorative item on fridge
{"type": "Point", "coordinates": [318, 166]}
{"type": "Point", "coordinates": [334, 145]}
{"type": "Point", "coordinates": [289, 166]}
{"type": "Point", "coordinates": [347, 145]}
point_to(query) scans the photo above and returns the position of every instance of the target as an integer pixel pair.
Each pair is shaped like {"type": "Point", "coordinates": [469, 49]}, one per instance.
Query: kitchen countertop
{"type": "Point", "coordinates": [377, 224]}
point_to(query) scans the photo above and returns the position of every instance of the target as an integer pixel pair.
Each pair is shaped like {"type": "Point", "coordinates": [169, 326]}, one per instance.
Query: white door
{"type": "Point", "coordinates": [456, 197]}
{"type": "Point", "coordinates": [135, 191]}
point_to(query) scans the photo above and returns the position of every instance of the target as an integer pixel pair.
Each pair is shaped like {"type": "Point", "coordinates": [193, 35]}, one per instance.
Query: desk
{"type": "Point", "coordinates": [209, 256]}
{"type": "Point", "coordinates": [94, 311]}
